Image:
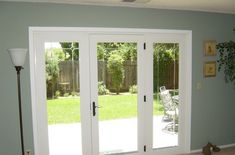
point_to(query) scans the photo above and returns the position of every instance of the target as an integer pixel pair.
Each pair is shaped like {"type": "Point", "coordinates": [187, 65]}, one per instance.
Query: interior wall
{"type": "Point", "coordinates": [212, 106]}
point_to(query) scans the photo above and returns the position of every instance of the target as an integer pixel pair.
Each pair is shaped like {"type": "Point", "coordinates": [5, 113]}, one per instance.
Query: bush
{"type": "Point", "coordinates": [133, 89]}
{"type": "Point", "coordinates": [66, 94]}
{"type": "Point", "coordinates": [74, 93]}
{"type": "Point", "coordinates": [52, 74]}
{"type": "Point", "coordinates": [102, 88]}
{"type": "Point", "coordinates": [57, 94]}
{"type": "Point", "coordinates": [116, 70]}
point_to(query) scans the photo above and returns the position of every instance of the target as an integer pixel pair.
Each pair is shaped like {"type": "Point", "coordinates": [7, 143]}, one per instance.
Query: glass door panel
{"type": "Point", "coordinates": [166, 96]}
{"type": "Point", "coordinates": [117, 97]}
{"type": "Point", "coordinates": [63, 98]}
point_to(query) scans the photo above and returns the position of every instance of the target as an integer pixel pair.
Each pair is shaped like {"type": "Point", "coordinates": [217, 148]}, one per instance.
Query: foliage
{"type": "Point", "coordinates": [116, 69]}
{"type": "Point", "coordinates": [227, 60]}
{"type": "Point", "coordinates": [52, 69]}
{"type": "Point", "coordinates": [56, 52]}
{"type": "Point", "coordinates": [102, 88]}
{"type": "Point", "coordinates": [164, 55]}
{"type": "Point", "coordinates": [74, 93]}
{"type": "Point", "coordinates": [66, 94]}
{"type": "Point", "coordinates": [52, 73]}
{"type": "Point", "coordinates": [133, 89]}
{"type": "Point", "coordinates": [127, 50]}
{"type": "Point", "coordinates": [71, 50]}
{"type": "Point", "coordinates": [57, 94]}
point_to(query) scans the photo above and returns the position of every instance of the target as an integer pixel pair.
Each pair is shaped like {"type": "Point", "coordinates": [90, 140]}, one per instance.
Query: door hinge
{"type": "Point", "coordinates": [144, 46]}
{"type": "Point", "coordinates": [144, 148]}
{"type": "Point", "coordinates": [144, 98]}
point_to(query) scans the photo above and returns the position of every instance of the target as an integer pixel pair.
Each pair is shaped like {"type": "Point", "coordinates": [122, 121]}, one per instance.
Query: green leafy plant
{"type": "Point", "coordinates": [57, 94]}
{"type": "Point", "coordinates": [71, 50]}
{"type": "Point", "coordinates": [226, 61]}
{"type": "Point", "coordinates": [52, 74]}
{"type": "Point", "coordinates": [102, 88]}
{"type": "Point", "coordinates": [165, 54]}
{"type": "Point", "coordinates": [116, 69]}
{"type": "Point", "coordinates": [74, 93]}
{"type": "Point", "coordinates": [66, 94]}
{"type": "Point", "coordinates": [133, 89]}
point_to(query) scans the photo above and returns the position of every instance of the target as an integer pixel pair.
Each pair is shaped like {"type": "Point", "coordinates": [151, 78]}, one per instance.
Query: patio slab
{"type": "Point", "coordinates": [115, 136]}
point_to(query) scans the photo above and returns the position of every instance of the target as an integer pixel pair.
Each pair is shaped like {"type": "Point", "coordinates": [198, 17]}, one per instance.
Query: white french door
{"type": "Point", "coordinates": [116, 122]}
{"type": "Point", "coordinates": [166, 136]}
{"type": "Point", "coordinates": [56, 139]}
{"type": "Point", "coordinates": [120, 134]}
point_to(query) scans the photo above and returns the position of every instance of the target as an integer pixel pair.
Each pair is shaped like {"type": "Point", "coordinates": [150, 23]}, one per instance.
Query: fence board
{"type": "Point", "coordinates": [68, 80]}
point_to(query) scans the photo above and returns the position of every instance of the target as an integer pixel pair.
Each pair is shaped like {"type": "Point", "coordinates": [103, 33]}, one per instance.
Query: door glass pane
{"type": "Point", "coordinates": [63, 100]}
{"type": "Point", "coordinates": [117, 97]}
{"type": "Point", "coordinates": [166, 94]}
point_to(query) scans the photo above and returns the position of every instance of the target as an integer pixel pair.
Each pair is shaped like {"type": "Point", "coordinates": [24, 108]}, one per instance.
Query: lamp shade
{"type": "Point", "coordinates": [17, 56]}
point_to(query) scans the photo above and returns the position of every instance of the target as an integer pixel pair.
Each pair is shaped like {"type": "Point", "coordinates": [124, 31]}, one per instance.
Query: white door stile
{"type": "Point", "coordinates": [94, 95]}
{"type": "Point", "coordinates": [141, 92]}
{"type": "Point", "coordinates": [85, 96]}
{"type": "Point", "coordinates": [41, 96]}
{"type": "Point", "coordinates": [149, 89]}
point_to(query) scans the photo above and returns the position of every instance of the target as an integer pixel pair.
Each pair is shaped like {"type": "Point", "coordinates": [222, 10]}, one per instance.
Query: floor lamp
{"type": "Point", "coordinates": [18, 58]}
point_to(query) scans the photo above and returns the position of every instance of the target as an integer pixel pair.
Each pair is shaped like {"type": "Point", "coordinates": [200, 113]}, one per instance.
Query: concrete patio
{"type": "Point", "coordinates": [115, 136]}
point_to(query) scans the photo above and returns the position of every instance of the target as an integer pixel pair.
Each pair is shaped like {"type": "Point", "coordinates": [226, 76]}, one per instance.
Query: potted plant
{"type": "Point", "coordinates": [226, 61]}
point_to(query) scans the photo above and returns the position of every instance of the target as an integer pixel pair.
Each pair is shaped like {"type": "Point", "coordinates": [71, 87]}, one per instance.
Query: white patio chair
{"type": "Point", "coordinates": [170, 107]}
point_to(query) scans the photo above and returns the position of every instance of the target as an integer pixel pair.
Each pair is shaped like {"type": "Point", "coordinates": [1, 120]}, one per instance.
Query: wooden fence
{"type": "Point", "coordinates": [68, 80]}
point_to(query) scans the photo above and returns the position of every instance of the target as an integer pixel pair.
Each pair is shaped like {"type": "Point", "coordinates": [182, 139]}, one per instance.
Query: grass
{"type": "Point", "coordinates": [67, 110]}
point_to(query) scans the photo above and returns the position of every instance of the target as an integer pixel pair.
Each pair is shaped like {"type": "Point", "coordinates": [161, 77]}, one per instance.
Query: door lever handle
{"type": "Point", "coordinates": [94, 108]}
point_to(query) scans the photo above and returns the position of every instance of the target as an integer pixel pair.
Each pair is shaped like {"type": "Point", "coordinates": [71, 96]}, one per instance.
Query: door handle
{"type": "Point", "coordinates": [94, 108]}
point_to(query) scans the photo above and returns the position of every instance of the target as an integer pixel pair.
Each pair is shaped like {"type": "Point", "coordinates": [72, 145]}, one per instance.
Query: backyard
{"type": "Point", "coordinates": [117, 67]}
{"type": "Point", "coordinates": [67, 109]}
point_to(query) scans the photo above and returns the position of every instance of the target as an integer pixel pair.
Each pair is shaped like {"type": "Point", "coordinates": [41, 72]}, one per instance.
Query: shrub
{"type": "Point", "coordinates": [133, 89]}
{"type": "Point", "coordinates": [116, 69]}
{"type": "Point", "coordinates": [66, 94]}
{"type": "Point", "coordinates": [73, 93]}
{"type": "Point", "coordinates": [57, 94]}
{"type": "Point", "coordinates": [52, 74]}
{"type": "Point", "coordinates": [102, 88]}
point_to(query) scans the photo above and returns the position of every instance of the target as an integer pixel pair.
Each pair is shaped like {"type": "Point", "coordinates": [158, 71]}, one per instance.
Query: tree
{"type": "Point", "coordinates": [127, 50]}
{"type": "Point", "coordinates": [116, 69]}
{"type": "Point", "coordinates": [164, 55]}
{"type": "Point", "coordinates": [52, 73]}
{"type": "Point", "coordinates": [71, 50]}
{"type": "Point", "coordinates": [56, 52]}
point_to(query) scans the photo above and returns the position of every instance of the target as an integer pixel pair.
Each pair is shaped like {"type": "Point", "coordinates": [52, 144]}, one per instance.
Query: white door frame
{"type": "Point", "coordinates": [40, 34]}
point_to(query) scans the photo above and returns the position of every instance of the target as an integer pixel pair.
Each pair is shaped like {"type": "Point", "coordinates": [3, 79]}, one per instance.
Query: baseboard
{"type": "Point", "coordinates": [221, 146]}
{"type": "Point", "coordinates": [196, 151]}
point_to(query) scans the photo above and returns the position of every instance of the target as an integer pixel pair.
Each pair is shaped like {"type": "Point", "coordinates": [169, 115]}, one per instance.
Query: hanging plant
{"type": "Point", "coordinates": [226, 61]}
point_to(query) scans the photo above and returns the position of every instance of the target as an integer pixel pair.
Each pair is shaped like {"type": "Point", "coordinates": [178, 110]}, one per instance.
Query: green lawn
{"type": "Point", "coordinates": [67, 110]}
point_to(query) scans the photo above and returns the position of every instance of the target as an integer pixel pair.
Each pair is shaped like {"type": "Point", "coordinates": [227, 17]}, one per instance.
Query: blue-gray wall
{"type": "Point", "coordinates": [212, 107]}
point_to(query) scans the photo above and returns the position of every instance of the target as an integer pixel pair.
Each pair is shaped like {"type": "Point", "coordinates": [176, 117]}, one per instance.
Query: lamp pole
{"type": "Point", "coordinates": [18, 58]}
{"type": "Point", "coordinates": [18, 69]}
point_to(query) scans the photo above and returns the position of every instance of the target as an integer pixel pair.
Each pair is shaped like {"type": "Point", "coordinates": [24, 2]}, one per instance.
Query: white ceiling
{"type": "Point", "coordinates": [222, 6]}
